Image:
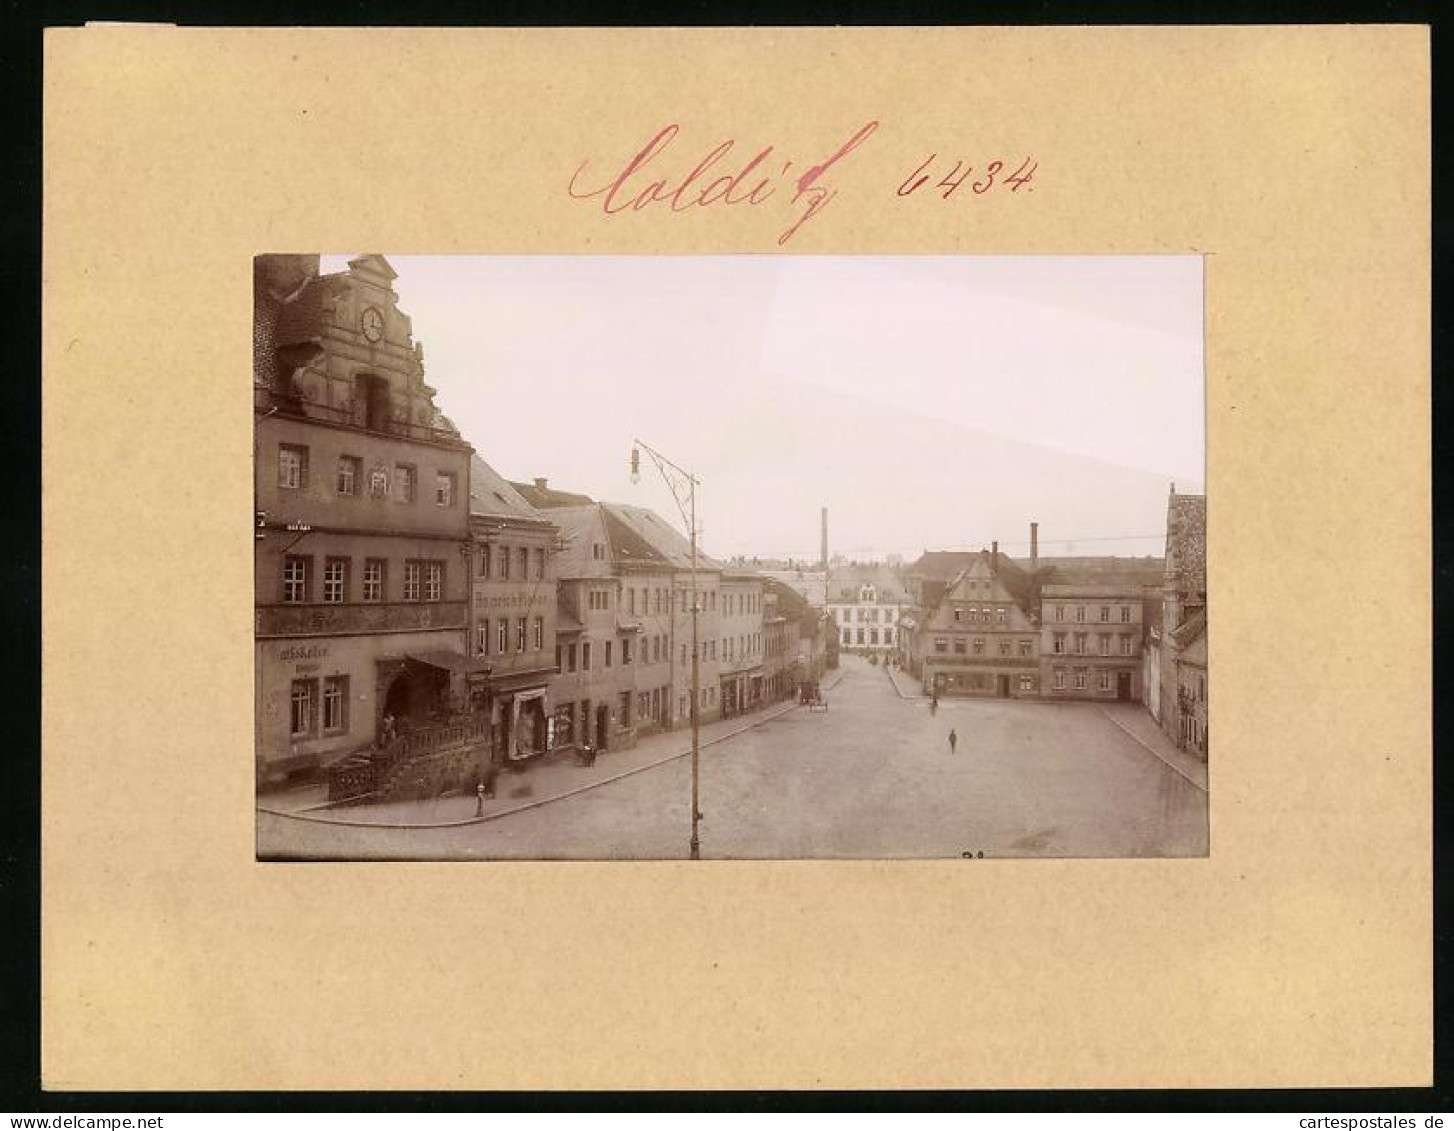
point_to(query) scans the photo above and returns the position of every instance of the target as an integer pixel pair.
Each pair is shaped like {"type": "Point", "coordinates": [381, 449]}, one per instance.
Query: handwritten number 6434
{"type": "Point", "coordinates": [960, 173]}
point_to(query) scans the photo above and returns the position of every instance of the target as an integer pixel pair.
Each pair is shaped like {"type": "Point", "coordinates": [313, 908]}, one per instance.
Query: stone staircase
{"type": "Point", "coordinates": [418, 764]}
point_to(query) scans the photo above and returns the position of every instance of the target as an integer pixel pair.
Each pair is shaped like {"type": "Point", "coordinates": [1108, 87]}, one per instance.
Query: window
{"type": "Point", "coordinates": [1004, 647]}
{"type": "Point", "coordinates": [412, 572]}
{"type": "Point", "coordinates": [540, 564]}
{"type": "Point", "coordinates": [301, 710]}
{"type": "Point", "coordinates": [1024, 647]}
{"type": "Point", "coordinates": [1002, 615]}
{"type": "Point", "coordinates": [1059, 612]}
{"type": "Point", "coordinates": [335, 581]}
{"type": "Point", "coordinates": [520, 635]}
{"type": "Point", "coordinates": [335, 703]}
{"type": "Point", "coordinates": [405, 477]}
{"type": "Point", "coordinates": [349, 476]}
{"type": "Point", "coordinates": [1027, 683]}
{"type": "Point", "coordinates": [1080, 643]}
{"type": "Point", "coordinates": [598, 551]}
{"type": "Point", "coordinates": [959, 645]}
{"type": "Point", "coordinates": [570, 658]}
{"type": "Point", "coordinates": [373, 579]}
{"type": "Point", "coordinates": [1126, 646]}
{"type": "Point", "coordinates": [625, 708]}
{"type": "Point", "coordinates": [1080, 614]}
{"type": "Point", "coordinates": [979, 646]}
{"type": "Point", "coordinates": [1125, 614]}
{"type": "Point", "coordinates": [626, 650]}
{"type": "Point", "coordinates": [848, 636]}
{"type": "Point", "coordinates": [292, 466]}
{"type": "Point", "coordinates": [1058, 644]}
{"type": "Point", "coordinates": [295, 579]}
{"type": "Point", "coordinates": [444, 489]}
{"type": "Point", "coordinates": [522, 557]}
{"type": "Point", "coordinates": [485, 559]}
{"type": "Point", "coordinates": [504, 555]}
{"type": "Point", "coordinates": [958, 614]}
{"type": "Point", "coordinates": [631, 601]}
{"type": "Point", "coordinates": [1105, 681]}
{"type": "Point", "coordinates": [502, 636]}
{"type": "Point", "coordinates": [860, 636]}
{"type": "Point", "coordinates": [1105, 644]}
{"type": "Point", "coordinates": [873, 636]}
{"type": "Point", "coordinates": [433, 580]}
{"type": "Point", "coordinates": [1080, 678]}
{"type": "Point", "coordinates": [608, 652]}
{"type": "Point", "coordinates": [1105, 613]}
{"type": "Point", "coordinates": [1059, 679]}
{"type": "Point", "coordinates": [643, 705]}
{"type": "Point", "coordinates": [482, 637]}
{"type": "Point", "coordinates": [538, 636]}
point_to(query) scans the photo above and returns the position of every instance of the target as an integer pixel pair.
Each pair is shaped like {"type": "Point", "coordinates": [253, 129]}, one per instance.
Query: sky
{"type": "Point", "coordinates": [930, 402]}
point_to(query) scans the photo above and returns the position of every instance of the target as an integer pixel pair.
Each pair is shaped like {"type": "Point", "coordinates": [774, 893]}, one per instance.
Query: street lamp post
{"type": "Point", "coordinates": [683, 486]}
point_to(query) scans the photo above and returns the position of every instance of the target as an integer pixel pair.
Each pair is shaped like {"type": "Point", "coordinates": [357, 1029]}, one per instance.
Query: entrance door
{"type": "Point", "coordinates": [1123, 685]}
{"type": "Point", "coordinates": [1002, 688]}
{"type": "Point", "coordinates": [603, 725]}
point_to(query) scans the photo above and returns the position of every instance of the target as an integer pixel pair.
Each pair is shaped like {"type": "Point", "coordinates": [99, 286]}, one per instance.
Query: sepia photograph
{"type": "Point", "coordinates": [729, 557]}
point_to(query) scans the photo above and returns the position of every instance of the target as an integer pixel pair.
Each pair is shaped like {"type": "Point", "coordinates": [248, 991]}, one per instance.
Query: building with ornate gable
{"type": "Point", "coordinates": [362, 519]}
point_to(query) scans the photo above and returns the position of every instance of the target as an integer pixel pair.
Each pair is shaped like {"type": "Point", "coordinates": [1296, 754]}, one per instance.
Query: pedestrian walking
{"type": "Point", "coordinates": [953, 740]}
{"type": "Point", "coordinates": [480, 800]}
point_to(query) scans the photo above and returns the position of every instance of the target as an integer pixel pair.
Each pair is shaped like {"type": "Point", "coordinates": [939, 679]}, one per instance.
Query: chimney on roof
{"type": "Point", "coordinates": [540, 481]}
{"type": "Point", "coordinates": [994, 559]}
{"type": "Point", "coordinates": [1034, 546]}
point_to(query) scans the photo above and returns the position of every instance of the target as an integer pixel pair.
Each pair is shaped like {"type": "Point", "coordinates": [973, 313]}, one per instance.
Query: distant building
{"type": "Point", "coordinates": [810, 584]}
{"type": "Point", "coordinates": [866, 603]}
{"type": "Point", "coordinates": [363, 532]}
{"type": "Point", "coordinates": [981, 636]}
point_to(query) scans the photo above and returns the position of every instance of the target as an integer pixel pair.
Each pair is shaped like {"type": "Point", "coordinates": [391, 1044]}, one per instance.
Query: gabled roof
{"type": "Point", "coordinates": [941, 565]}
{"type": "Point", "coordinates": [540, 496]}
{"type": "Point", "coordinates": [627, 546]}
{"type": "Point", "coordinates": [666, 540]}
{"type": "Point", "coordinates": [492, 494]}
{"type": "Point", "coordinates": [373, 264]}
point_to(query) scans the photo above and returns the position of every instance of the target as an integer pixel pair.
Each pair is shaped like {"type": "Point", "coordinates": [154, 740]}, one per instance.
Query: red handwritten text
{"type": "Point", "coordinates": [751, 182]}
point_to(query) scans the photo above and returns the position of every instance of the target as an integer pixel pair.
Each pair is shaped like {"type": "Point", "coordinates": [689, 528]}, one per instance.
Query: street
{"type": "Point", "coordinates": [873, 777]}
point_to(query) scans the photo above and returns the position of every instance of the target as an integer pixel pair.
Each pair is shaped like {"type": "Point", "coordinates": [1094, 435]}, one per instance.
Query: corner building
{"type": "Point", "coordinates": [362, 519]}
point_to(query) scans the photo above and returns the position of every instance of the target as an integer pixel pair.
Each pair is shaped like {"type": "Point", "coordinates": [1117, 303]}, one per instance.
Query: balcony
{"type": "Point", "coordinates": [359, 619]}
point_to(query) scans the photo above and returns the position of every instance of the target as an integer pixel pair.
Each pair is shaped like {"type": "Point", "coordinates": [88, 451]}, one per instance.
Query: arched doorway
{"type": "Point", "coordinates": [416, 693]}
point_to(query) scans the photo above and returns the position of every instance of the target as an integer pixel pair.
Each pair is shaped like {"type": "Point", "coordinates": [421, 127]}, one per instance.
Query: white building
{"type": "Point", "coordinates": [867, 621]}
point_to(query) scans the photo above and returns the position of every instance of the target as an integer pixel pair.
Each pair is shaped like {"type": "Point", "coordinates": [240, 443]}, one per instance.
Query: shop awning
{"type": "Point", "coordinates": [451, 661]}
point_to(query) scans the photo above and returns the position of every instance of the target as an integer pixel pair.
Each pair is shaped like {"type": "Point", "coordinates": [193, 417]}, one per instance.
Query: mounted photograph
{"type": "Point", "coordinates": [742, 557]}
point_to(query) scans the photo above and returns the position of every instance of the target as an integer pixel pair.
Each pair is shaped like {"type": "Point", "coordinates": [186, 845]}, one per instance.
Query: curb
{"type": "Point", "coordinates": [1153, 752]}
{"type": "Point", "coordinates": [299, 815]}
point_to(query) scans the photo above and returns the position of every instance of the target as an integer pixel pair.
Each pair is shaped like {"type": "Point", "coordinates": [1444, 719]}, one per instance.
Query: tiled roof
{"type": "Point", "coordinates": [541, 496]}
{"type": "Point", "coordinates": [661, 536]}
{"type": "Point", "coordinates": [1186, 541]}
{"type": "Point", "coordinates": [492, 494]}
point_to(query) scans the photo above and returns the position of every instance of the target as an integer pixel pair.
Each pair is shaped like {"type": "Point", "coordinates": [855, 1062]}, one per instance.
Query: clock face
{"type": "Point", "coordinates": [373, 324]}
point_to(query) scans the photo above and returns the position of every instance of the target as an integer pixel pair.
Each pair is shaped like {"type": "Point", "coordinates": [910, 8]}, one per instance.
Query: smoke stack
{"type": "Point", "coordinates": [823, 565]}
{"type": "Point", "coordinates": [994, 559]}
{"type": "Point", "coordinates": [1034, 546]}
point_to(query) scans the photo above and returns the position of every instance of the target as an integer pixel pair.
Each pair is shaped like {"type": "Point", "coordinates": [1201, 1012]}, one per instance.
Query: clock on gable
{"type": "Point", "coordinates": [373, 323]}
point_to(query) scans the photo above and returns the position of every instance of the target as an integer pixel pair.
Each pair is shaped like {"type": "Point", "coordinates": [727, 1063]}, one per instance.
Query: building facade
{"type": "Point", "coordinates": [1091, 641]}
{"type": "Point", "coordinates": [1181, 640]}
{"type": "Point", "coordinates": [513, 604]}
{"type": "Point", "coordinates": [741, 673]}
{"type": "Point", "coordinates": [982, 637]}
{"type": "Point", "coordinates": [361, 564]}
{"type": "Point", "coordinates": [866, 607]}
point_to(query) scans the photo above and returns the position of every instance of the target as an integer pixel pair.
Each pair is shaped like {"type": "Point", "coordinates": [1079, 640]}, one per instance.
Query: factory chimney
{"type": "Point", "coordinates": [823, 564]}
{"type": "Point", "coordinates": [1034, 546]}
{"type": "Point", "coordinates": [994, 559]}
